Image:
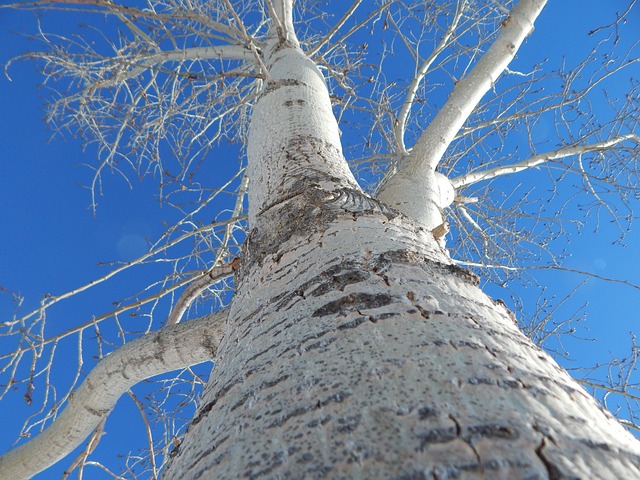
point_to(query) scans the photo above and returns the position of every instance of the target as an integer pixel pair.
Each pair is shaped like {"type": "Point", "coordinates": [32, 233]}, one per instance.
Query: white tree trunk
{"type": "Point", "coordinates": [355, 349]}
{"type": "Point", "coordinates": [294, 140]}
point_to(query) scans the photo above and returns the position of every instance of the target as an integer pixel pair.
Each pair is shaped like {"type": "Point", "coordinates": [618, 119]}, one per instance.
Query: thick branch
{"type": "Point", "coordinates": [474, 177]}
{"type": "Point", "coordinates": [168, 349]}
{"type": "Point", "coordinates": [412, 90]}
{"type": "Point", "coordinates": [469, 91]}
{"type": "Point", "coordinates": [223, 52]}
{"type": "Point", "coordinates": [282, 17]}
{"type": "Point", "coordinates": [416, 189]}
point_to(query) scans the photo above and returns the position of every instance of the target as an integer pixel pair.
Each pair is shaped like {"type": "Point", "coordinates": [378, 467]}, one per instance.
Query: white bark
{"type": "Point", "coordinates": [135, 67]}
{"type": "Point", "coordinates": [168, 349]}
{"type": "Point", "coordinates": [412, 188]}
{"type": "Point", "coordinates": [412, 89]}
{"type": "Point", "coordinates": [195, 289]}
{"type": "Point", "coordinates": [355, 350]}
{"type": "Point", "coordinates": [283, 19]}
{"type": "Point", "coordinates": [294, 140]}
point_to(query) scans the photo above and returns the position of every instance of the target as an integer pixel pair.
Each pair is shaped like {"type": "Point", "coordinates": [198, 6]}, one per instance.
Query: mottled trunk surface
{"type": "Point", "coordinates": [355, 349]}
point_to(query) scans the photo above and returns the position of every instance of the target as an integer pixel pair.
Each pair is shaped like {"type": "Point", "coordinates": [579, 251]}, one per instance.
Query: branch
{"type": "Point", "coordinates": [474, 177]}
{"type": "Point", "coordinates": [81, 459]}
{"type": "Point", "coordinates": [208, 278]}
{"type": "Point", "coordinates": [50, 300]}
{"type": "Point", "coordinates": [168, 349]}
{"type": "Point", "coordinates": [109, 7]}
{"type": "Point", "coordinates": [468, 92]}
{"type": "Point", "coordinates": [335, 28]}
{"type": "Point", "coordinates": [416, 189]}
{"type": "Point", "coordinates": [282, 16]}
{"type": "Point", "coordinates": [484, 265]}
{"type": "Point", "coordinates": [599, 386]}
{"type": "Point", "coordinates": [412, 90]}
{"type": "Point", "coordinates": [221, 52]}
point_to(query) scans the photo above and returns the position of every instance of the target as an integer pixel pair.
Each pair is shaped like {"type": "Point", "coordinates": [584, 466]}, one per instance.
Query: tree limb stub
{"type": "Point", "coordinates": [168, 349]}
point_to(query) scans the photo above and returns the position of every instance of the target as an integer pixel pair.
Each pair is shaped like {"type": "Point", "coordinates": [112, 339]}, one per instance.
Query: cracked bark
{"type": "Point", "coordinates": [355, 350]}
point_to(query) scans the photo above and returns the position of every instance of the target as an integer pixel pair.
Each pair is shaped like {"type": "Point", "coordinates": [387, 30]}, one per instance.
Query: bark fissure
{"type": "Point", "coordinates": [382, 320]}
{"type": "Point", "coordinates": [553, 472]}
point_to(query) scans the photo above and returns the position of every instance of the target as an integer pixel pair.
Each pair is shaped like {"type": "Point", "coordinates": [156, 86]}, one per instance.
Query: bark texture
{"type": "Point", "coordinates": [356, 350]}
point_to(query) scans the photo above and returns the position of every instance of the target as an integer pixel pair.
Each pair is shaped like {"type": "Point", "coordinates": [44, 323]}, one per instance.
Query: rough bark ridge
{"type": "Point", "coordinates": [355, 350]}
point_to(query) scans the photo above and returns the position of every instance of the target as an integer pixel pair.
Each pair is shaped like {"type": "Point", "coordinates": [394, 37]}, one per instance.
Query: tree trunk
{"type": "Point", "coordinates": [355, 349]}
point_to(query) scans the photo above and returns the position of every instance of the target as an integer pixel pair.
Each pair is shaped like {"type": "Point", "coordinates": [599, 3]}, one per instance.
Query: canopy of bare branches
{"type": "Point", "coordinates": [163, 89]}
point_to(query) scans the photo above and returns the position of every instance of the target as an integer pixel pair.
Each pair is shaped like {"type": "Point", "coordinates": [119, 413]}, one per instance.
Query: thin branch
{"type": "Point", "coordinates": [93, 442]}
{"type": "Point", "coordinates": [147, 428]}
{"type": "Point", "coordinates": [474, 177]}
{"type": "Point", "coordinates": [133, 27]}
{"type": "Point", "coordinates": [589, 274]}
{"type": "Point", "coordinates": [49, 300]}
{"type": "Point", "coordinates": [549, 267]}
{"type": "Point", "coordinates": [335, 28]}
{"type": "Point", "coordinates": [618, 391]}
{"type": "Point", "coordinates": [412, 90]}
{"type": "Point", "coordinates": [484, 265]}
{"type": "Point", "coordinates": [168, 349]}
{"type": "Point", "coordinates": [200, 283]}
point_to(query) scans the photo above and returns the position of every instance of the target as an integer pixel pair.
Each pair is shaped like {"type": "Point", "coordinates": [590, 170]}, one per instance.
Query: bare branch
{"type": "Point", "coordinates": [80, 461]}
{"type": "Point", "coordinates": [152, 453]}
{"type": "Point", "coordinates": [474, 177]}
{"type": "Point", "coordinates": [468, 91]}
{"type": "Point", "coordinates": [412, 90]}
{"type": "Point", "coordinates": [223, 52]}
{"type": "Point", "coordinates": [282, 15]}
{"type": "Point", "coordinates": [200, 283]}
{"type": "Point", "coordinates": [50, 300]}
{"type": "Point", "coordinates": [335, 28]}
{"type": "Point", "coordinates": [415, 176]}
{"type": "Point", "coordinates": [168, 349]}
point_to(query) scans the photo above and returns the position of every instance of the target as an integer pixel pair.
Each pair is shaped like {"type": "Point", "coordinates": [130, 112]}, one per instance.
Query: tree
{"type": "Point", "coordinates": [354, 344]}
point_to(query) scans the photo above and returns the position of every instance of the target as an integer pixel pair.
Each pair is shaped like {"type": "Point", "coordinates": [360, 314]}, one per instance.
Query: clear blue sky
{"type": "Point", "coordinates": [50, 241]}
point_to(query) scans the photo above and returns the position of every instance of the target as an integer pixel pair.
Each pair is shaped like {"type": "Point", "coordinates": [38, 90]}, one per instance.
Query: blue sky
{"type": "Point", "coordinates": [51, 242]}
